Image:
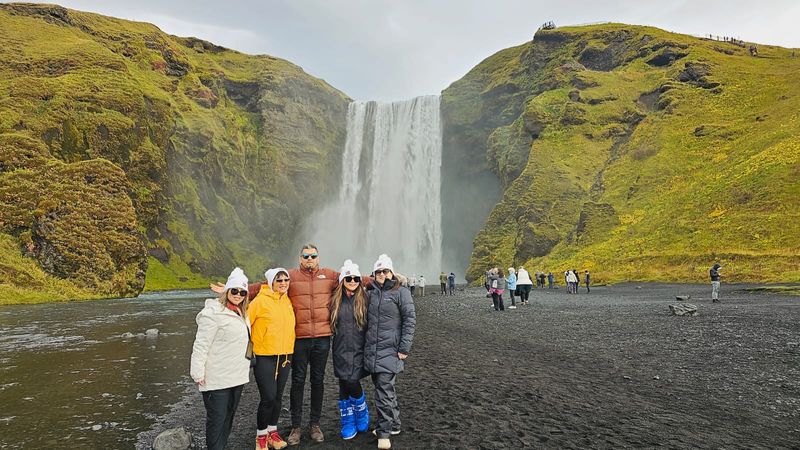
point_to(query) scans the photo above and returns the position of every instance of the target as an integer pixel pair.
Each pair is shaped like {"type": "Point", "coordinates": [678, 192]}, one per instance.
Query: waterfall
{"type": "Point", "coordinates": [389, 200]}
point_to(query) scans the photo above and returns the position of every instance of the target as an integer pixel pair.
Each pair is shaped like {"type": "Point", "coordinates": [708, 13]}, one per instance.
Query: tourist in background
{"type": "Point", "coordinates": [586, 279]}
{"type": "Point", "coordinates": [577, 280]}
{"type": "Point", "coordinates": [391, 321]}
{"type": "Point", "coordinates": [443, 283]}
{"type": "Point", "coordinates": [451, 283]}
{"type": "Point", "coordinates": [349, 326]}
{"type": "Point", "coordinates": [550, 280]}
{"type": "Point", "coordinates": [412, 283]}
{"type": "Point", "coordinates": [219, 364]}
{"type": "Point", "coordinates": [714, 273]}
{"type": "Point", "coordinates": [524, 285]}
{"type": "Point", "coordinates": [541, 279]}
{"type": "Point", "coordinates": [272, 322]}
{"type": "Point", "coordinates": [421, 285]}
{"type": "Point", "coordinates": [498, 285]}
{"type": "Point", "coordinates": [511, 284]}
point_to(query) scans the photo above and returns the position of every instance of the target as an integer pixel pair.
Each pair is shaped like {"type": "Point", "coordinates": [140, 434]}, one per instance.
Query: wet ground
{"type": "Point", "coordinates": [609, 369]}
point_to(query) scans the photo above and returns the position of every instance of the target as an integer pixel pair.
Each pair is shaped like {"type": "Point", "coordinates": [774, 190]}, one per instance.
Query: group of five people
{"type": "Point", "coordinates": [288, 325]}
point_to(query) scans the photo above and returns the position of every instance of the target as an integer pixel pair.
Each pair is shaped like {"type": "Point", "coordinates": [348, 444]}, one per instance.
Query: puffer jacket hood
{"type": "Point", "coordinates": [218, 353]}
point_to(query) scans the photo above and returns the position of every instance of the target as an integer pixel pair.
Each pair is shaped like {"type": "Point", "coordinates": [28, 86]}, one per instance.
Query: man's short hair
{"type": "Point", "coordinates": [309, 246]}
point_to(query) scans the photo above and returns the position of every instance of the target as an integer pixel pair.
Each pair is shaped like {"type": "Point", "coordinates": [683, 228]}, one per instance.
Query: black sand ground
{"type": "Point", "coordinates": [611, 369]}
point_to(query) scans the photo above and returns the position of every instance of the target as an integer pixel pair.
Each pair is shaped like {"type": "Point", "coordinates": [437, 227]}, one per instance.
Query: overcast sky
{"type": "Point", "coordinates": [395, 50]}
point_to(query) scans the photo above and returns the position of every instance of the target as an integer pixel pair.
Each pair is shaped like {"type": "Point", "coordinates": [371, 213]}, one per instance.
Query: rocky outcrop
{"type": "Point", "coordinates": [128, 142]}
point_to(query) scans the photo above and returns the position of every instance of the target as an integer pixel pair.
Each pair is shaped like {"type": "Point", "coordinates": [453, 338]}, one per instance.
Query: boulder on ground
{"type": "Point", "coordinates": [173, 439]}
{"type": "Point", "coordinates": [685, 309]}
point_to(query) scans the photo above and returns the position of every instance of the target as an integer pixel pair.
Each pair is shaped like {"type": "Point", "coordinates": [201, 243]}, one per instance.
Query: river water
{"type": "Point", "coordinates": [71, 378]}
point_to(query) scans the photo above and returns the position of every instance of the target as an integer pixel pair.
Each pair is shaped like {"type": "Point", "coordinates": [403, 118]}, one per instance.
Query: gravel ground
{"type": "Point", "coordinates": [609, 369]}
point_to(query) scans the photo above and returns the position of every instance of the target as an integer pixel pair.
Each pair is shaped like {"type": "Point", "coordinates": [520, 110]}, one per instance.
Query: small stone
{"type": "Point", "coordinates": [128, 335]}
{"type": "Point", "coordinates": [152, 332]}
{"type": "Point", "coordinates": [626, 377]}
{"type": "Point", "coordinates": [139, 395]}
{"type": "Point", "coordinates": [97, 427]}
{"type": "Point", "coordinates": [683, 298]}
{"type": "Point", "coordinates": [656, 377]}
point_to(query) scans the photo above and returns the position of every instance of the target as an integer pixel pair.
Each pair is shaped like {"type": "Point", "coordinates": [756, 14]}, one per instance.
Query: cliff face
{"type": "Point", "coordinates": [633, 153]}
{"type": "Point", "coordinates": [125, 151]}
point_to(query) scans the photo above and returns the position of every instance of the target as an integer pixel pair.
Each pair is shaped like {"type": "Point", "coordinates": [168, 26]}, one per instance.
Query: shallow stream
{"type": "Point", "coordinates": [85, 375]}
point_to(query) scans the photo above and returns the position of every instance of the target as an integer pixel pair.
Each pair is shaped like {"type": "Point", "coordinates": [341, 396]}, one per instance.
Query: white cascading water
{"type": "Point", "coordinates": [389, 200]}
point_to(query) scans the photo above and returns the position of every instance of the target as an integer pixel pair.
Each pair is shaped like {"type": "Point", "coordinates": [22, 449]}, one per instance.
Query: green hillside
{"type": "Point", "coordinates": [634, 153]}
{"type": "Point", "coordinates": [127, 152]}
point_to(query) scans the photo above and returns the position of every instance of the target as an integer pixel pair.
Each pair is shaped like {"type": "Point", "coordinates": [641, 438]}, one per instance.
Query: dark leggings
{"type": "Point", "coordinates": [271, 373]}
{"type": "Point", "coordinates": [497, 299]}
{"type": "Point", "coordinates": [523, 291]}
{"type": "Point", "coordinates": [350, 388]}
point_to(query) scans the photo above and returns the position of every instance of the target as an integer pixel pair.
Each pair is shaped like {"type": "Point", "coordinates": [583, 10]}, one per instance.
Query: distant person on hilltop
{"type": "Point", "coordinates": [511, 284]}
{"type": "Point", "coordinates": [451, 283]}
{"type": "Point", "coordinates": [714, 273]}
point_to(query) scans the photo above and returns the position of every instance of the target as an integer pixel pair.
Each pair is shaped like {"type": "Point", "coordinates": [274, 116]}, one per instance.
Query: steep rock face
{"type": "Point", "coordinates": [632, 152]}
{"type": "Point", "coordinates": [218, 154]}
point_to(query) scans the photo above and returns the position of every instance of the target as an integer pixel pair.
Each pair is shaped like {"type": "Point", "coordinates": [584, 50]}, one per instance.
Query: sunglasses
{"type": "Point", "coordinates": [351, 279]}
{"type": "Point", "coordinates": [383, 271]}
{"type": "Point", "coordinates": [282, 280]}
{"type": "Point", "coordinates": [309, 256]}
{"type": "Point", "coordinates": [242, 292]}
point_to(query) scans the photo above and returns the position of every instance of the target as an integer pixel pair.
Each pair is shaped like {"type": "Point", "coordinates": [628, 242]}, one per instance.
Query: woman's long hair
{"type": "Point", "coordinates": [223, 299]}
{"type": "Point", "coordinates": [359, 306]}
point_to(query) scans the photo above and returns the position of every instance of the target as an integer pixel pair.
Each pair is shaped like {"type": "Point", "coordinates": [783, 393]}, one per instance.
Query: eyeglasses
{"type": "Point", "coordinates": [351, 279]}
{"type": "Point", "coordinates": [383, 271]}
{"type": "Point", "coordinates": [282, 280]}
{"type": "Point", "coordinates": [241, 292]}
{"type": "Point", "coordinates": [311, 255]}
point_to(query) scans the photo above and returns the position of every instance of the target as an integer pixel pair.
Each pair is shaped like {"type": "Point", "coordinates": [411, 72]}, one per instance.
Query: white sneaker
{"type": "Point", "coordinates": [384, 443]}
{"type": "Point", "coordinates": [512, 307]}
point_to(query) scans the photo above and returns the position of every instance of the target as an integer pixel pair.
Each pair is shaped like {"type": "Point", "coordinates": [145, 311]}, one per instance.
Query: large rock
{"type": "Point", "coordinates": [685, 309]}
{"type": "Point", "coordinates": [173, 439]}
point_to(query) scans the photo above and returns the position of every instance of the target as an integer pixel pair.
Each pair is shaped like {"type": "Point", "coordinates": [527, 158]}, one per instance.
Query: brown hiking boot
{"type": "Point", "coordinates": [316, 433]}
{"type": "Point", "coordinates": [294, 436]}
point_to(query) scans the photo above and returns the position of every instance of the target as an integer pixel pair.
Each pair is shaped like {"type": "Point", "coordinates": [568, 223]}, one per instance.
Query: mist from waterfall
{"type": "Point", "coordinates": [390, 195]}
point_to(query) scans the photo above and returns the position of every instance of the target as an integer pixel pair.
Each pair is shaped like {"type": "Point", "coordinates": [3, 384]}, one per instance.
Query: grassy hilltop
{"type": "Point", "coordinates": [125, 151]}
{"type": "Point", "coordinates": [631, 152]}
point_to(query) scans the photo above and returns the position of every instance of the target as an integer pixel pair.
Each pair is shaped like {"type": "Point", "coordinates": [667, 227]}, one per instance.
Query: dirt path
{"type": "Point", "coordinates": [609, 369]}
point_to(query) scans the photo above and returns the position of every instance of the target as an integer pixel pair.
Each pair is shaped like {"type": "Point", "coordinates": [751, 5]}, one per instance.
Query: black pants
{"type": "Point", "coordinates": [388, 416]}
{"type": "Point", "coordinates": [350, 388]}
{"type": "Point", "coordinates": [587, 287]}
{"type": "Point", "coordinates": [511, 294]}
{"type": "Point", "coordinates": [523, 290]}
{"type": "Point", "coordinates": [220, 408]}
{"type": "Point", "coordinates": [308, 352]}
{"type": "Point", "coordinates": [497, 299]}
{"type": "Point", "coordinates": [271, 373]}
{"type": "Point", "coordinates": [444, 288]}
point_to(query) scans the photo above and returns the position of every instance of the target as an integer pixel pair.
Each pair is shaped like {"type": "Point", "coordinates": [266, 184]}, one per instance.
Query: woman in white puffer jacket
{"type": "Point", "coordinates": [219, 363]}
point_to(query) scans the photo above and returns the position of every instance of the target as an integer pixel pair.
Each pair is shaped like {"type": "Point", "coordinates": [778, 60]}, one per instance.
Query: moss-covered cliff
{"type": "Point", "coordinates": [125, 151]}
{"type": "Point", "coordinates": [632, 152]}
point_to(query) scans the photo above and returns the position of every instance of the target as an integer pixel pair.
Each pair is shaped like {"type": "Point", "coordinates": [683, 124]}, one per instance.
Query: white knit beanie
{"type": "Point", "coordinates": [383, 262]}
{"type": "Point", "coordinates": [511, 270]}
{"type": "Point", "coordinates": [272, 273]}
{"type": "Point", "coordinates": [349, 270]}
{"type": "Point", "coordinates": [236, 279]}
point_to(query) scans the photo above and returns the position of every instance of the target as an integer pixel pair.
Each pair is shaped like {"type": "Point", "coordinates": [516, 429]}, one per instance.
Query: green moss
{"type": "Point", "coordinates": [176, 275]}
{"type": "Point", "coordinates": [640, 169]}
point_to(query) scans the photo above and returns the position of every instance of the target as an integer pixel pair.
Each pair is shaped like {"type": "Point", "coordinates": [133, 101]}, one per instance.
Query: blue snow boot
{"type": "Point", "coordinates": [361, 412]}
{"type": "Point", "coordinates": [348, 419]}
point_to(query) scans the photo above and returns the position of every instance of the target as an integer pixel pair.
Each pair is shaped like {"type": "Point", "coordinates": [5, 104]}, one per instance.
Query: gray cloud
{"type": "Point", "coordinates": [391, 50]}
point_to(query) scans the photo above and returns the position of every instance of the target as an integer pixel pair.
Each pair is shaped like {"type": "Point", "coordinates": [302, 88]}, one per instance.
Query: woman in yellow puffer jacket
{"type": "Point", "coordinates": [272, 332]}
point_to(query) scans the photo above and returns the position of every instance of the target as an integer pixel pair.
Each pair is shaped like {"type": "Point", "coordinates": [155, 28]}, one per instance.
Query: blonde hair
{"type": "Point", "coordinates": [359, 306]}
{"type": "Point", "coordinates": [223, 300]}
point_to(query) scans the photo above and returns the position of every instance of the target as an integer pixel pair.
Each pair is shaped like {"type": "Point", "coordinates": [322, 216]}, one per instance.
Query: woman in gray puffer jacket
{"type": "Point", "coordinates": [391, 320]}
